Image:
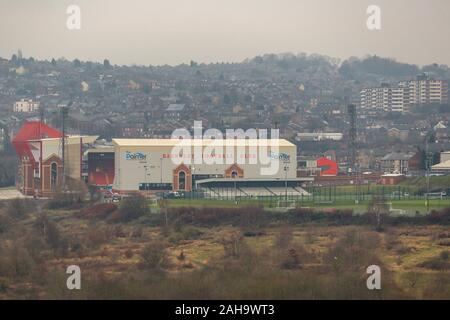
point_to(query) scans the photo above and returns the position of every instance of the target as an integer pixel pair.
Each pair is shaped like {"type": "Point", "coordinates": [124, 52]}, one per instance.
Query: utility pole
{"type": "Point", "coordinates": [145, 178]}
{"type": "Point", "coordinates": [64, 113]}
{"type": "Point", "coordinates": [427, 167]}
{"type": "Point", "coordinates": [146, 122]}
{"type": "Point", "coordinates": [42, 113]}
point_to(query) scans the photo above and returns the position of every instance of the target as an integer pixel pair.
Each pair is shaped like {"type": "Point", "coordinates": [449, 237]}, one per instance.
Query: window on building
{"type": "Point", "coordinates": [54, 175]}
{"type": "Point", "coordinates": [182, 180]}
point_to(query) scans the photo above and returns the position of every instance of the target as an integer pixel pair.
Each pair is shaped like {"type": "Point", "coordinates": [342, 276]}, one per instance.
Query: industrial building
{"type": "Point", "coordinates": [253, 167]}
{"type": "Point", "coordinates": [155, 164]}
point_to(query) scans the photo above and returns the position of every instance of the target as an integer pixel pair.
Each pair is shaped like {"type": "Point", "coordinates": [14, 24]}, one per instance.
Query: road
{"type": "Point", "coordinates": [7, 194]}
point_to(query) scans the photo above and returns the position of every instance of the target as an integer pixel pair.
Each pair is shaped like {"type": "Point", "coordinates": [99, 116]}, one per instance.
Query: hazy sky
{"type": "Point", "coordinates": [177, 31]}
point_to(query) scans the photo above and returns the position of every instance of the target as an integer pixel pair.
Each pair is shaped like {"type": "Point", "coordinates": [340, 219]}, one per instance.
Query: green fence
{"type": "Point", "coordinates": [319, 194]}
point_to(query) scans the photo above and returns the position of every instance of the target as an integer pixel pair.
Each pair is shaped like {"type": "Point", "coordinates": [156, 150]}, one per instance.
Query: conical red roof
{"type": "Point", "coordinates": [36, 130]}
{"type": "Point", "coordinates": [32, 130]}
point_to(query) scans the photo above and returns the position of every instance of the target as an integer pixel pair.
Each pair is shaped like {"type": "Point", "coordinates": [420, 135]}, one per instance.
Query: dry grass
{"type": "Point", "coordinates": [401, 250]}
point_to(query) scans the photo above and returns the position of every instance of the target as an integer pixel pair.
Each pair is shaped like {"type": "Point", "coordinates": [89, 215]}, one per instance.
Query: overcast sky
{"type": "Point", "coordinates": [176, 31]}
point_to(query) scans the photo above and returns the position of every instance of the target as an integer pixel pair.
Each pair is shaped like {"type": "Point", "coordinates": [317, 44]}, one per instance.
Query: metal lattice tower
{"type": "Point", "coordinates": [351, 110]}
{"type": "Point", "coordinates": [352, 150]}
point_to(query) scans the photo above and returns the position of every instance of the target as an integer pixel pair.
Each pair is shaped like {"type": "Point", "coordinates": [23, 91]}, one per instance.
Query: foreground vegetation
{"type": "Point", "coordinates": [219, 253]}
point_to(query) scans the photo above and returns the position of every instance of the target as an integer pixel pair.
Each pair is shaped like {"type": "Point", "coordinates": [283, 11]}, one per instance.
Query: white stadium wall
{"type": "Point", "coordinates": [152, 161]}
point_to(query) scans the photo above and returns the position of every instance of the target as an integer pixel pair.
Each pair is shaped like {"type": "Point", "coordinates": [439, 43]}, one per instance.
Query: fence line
{"type": "Point", "coordinates": [331, 194]}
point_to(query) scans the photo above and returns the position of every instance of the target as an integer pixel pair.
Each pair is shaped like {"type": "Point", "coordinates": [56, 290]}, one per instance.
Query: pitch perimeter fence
{"type": "Point", "coordinates": [317, 195]}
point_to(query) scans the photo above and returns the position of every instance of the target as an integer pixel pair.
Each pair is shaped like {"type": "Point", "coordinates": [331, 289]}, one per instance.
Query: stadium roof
{"type": "Point", "coordinates": [441, 166]}
{"type": "Point", "coordinates": [69, 139]}
{"type": "Point", "coordinates": [36, 130]}
{"type": "Point", "coordinates": [201, 142]}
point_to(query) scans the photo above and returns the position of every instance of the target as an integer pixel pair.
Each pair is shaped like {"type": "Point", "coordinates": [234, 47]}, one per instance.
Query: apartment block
{"type": "Point", "coordinates": [399, 98]}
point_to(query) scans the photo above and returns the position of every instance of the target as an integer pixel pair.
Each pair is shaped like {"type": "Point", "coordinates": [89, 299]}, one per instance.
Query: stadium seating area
{"type": "Point", "coordinates": [252, 192]}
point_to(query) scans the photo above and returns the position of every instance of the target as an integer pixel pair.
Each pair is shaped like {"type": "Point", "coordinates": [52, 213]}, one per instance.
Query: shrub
{"type": "Point", "coordinates": [233, 245]}
{"type": "Point", "coordinates": [353, 250]}
{"type": "Point", "coordinates": [182, 233]}
{"type": "Point", "coordinates": [253, 233]}
{"type": "Point", "coordinates": [292, 260]}
{"type": "Point", "coordinates": [208, 216]}
{"type": "Point", "coordinates": [435, 263]}
{"type": "Point", "coordinates": [119, 232]}
{"type": "Point", "coordinates": [18, 208]}
{"type": "Point", "coordinates": [301, 215]}
{"type": "Point", "coordinates": [97, 236]}
{"type": "Point", "coordinates": [190, 233]}
{"type": "Point", "coordinates": [97, 211]}
{"type": "Point", "coordinates": [154, 255]}
{"type": "Point", "coordinates": [4, 284]}
{"type": "Point", "coordinates": [401, 249]}
{"type": "Point", "coordinates": [128, 254]}
{"type": "Point", "coordinates": [137, 232]}
{"type": "Point", "coordinates": [49, 230]}
{"type": "Point", "coordinates": [252, 218]}
{"type": "Point", "coordinates": [67, 200]}
{"type": "Point", "coordinates": [341, 216]}
{"type": "Point", "coordinates": [53, 235]}
{"type": "Point", "coordinates": [284, 237]}
{"type": "Point", "coordinates": [132, 208]}
{"type": "Point", "coordinates": [439, 217]}
{"type": "Point", "coordinates": [21, 262]}
{"type": "Point", "coordinates": [444, 243]}
{"type": "Point", "coordinates": [5, 223]}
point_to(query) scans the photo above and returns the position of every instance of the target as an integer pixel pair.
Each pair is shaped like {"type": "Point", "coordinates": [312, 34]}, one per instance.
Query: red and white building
{"type": "Point", "coordinates": [39, 148]}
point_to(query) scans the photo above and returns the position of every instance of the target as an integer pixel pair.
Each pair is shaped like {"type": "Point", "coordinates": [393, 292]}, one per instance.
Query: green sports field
{"type": "Point", "coordinates": [410, 206]}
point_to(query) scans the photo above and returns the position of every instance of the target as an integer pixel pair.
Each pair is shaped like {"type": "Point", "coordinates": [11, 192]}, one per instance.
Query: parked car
{"type": "Point", "coordinates": [173, 195]}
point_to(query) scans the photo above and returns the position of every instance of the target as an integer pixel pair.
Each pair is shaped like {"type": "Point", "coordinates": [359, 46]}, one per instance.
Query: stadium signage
{"type": "Point", "coordinates": [135, 156]}
{"type": "Point", "coordinates": [282, 156]}
{"type": "Point", "coordinates": [199, 148]}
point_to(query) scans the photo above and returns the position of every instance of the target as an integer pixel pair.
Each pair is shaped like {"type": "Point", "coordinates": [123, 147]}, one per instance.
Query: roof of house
{"type": "Point", "coordinates": [397, 156]}
{"type": "Point", "coordinates": [175, 107]}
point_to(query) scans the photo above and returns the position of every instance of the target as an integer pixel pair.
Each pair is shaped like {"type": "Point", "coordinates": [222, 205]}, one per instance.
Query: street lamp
{"type": "Point", "coordinates": [146, 184]}
{"type": "Point", "coordinates": [192, 182]}
{"type": "Point", "coordinates": [160, 170]}
{"type": "Point", "coordinates": [235, 189]}
{"type": "Point", "coordinates": [286, 168]}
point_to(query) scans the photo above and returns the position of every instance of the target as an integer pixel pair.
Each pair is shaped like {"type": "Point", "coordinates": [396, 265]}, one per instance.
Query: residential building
{"type": "Point", "coordinates": [400, 162]}
{"type": "Point", "coordinates": [399, 98]}
{"type": "Point", "coordinates": [318, 136]}
{"type": "Point", "coordinates": [425, 90]}
{"type": "Point", "coordinates": [175, 111]}
{"type": "Point", "coordinates": [384, 98]}
{"type": "Point", "coordinates": [26, 106]}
